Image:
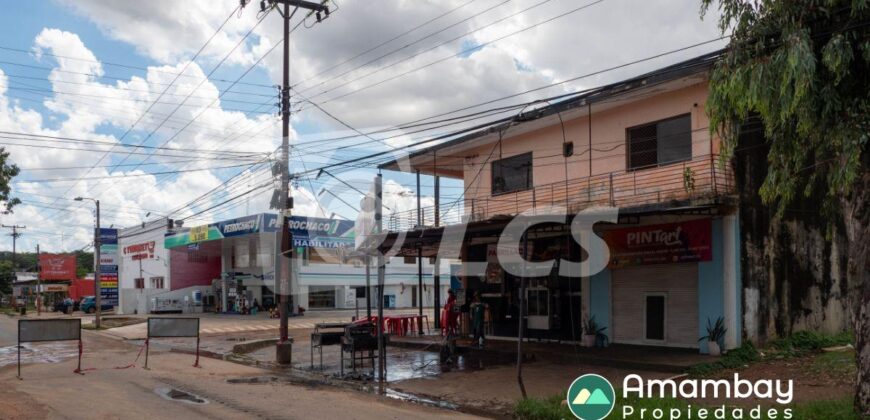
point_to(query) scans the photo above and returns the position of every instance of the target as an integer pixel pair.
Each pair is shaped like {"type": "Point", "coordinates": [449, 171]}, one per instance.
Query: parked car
{"type": "Point", "coordinates": [89, 305]}
{"type": "Point", "coordinates": [64, 305]}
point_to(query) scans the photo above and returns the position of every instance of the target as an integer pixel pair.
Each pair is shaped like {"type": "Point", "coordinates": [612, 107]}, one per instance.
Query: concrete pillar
{"type": "Point", "coordinates": [731, 285]}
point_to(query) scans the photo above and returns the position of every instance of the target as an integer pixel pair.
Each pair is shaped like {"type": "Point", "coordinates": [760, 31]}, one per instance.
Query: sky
{"type": "Point", "coordinates": [192, 86]}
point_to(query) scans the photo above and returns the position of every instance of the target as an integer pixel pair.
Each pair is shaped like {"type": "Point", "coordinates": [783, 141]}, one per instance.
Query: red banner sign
{"type": "Point", "coordinates": [57, 266]}
{"type": "Point", "coordinates": [140, 251]}
{"type": "Point", "coordinates": [660, 244]}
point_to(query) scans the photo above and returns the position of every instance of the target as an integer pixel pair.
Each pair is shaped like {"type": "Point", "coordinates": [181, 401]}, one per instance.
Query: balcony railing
{"type": "Point", "coordinates": [702, 177]}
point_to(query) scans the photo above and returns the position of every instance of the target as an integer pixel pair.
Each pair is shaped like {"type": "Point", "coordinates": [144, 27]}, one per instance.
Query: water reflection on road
{"type": "Point", "coordinates": [39, 353]}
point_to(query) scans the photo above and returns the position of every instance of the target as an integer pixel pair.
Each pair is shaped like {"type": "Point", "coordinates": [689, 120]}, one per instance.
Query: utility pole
{"type": "Point", "coordinates": [38, 284]}
{"type": "Point", "coordinates": [15, 234]}
{"type": "Point", "coordinates": [97, 242]}
{"type": "Point", "coordinates": [98, 306]}
{"type": "Point", "coordinates": [284, 349]}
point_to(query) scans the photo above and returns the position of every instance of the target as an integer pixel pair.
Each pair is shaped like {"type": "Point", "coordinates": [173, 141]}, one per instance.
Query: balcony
{"type": "Point", "coordinates": [701, 178]}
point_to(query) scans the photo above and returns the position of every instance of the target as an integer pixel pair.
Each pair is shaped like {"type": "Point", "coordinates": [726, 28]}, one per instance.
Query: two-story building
{"type": "Point", "coordinates": [643, 146]}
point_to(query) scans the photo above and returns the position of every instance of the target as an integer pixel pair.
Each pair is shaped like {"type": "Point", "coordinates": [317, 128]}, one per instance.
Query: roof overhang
{"type": "Point", "coordinates": [447, 158]}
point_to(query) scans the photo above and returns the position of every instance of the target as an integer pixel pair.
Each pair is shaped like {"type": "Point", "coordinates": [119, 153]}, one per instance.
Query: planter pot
{"type": "Point", "coordinates": [588, 340]}
{"type": "Point", "coordinates": [713, 348]}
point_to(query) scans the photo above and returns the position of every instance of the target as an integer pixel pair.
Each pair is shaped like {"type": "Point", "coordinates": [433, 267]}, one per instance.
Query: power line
{"type": "Point", "coordinates": [385, 43]}
{"type": "Point", "coordinates": [44, 137]}
{"type": "Point", "coordinates": [142, 115]}
{"type": "Point", "coordinates": [131, 175]}
{"type": "Point", "coordinates": [127, 66]}
{"type": "Point", "coordinates": [459, 54]}
{"type": "Point", "coordinates": [68, 82]}
{"type": "Point", "coordinates": [402, 47]}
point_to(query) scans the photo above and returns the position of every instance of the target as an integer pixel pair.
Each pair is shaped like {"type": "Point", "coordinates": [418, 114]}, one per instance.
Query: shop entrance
{"type": "Point", "coordinates": [656, 305]}
{"type": "Point", "coordinates": [320, 297]}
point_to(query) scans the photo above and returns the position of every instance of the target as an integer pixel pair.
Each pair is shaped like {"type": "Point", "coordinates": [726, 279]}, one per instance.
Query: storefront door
{"type": "Point", "coordinates": [656, 305]}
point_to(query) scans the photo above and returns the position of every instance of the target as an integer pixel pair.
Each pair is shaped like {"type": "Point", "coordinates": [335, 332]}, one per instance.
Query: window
{"type": "Point", "coordinates": [660, 143]}
{"type": "Point", "coordinates": [140, 283]}
{"type": "Point", "coordinates": [156, 282]}
{"type": "Point", "coordinates": [512, 174]}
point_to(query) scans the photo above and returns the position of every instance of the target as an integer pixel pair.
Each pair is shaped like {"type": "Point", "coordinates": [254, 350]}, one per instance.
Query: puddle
{"type": "Point", "coordinates": [252, 380]}
{"type": "Point", "coordinates": [173, 394]}
{"type": "Point", "coordinates": [404, 396]}
{"type": "Point", "coordinates": [39, 353]}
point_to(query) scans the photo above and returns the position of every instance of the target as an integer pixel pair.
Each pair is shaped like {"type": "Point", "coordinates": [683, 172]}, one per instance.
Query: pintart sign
{"type": "Point", "coordinates": [689, 241]}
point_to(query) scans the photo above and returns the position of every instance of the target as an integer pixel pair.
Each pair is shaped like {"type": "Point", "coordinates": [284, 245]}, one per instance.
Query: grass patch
{"type": "Point", "coordinates": [739, 357]}
{"type": "Point", "coordinates": [803, 342]}
{"type": "Point", "coordinates": [552, 408]}
{"type": "Point", "coordinates": [835, 363]}
{"type": "Point", "coordinates": [543, 409]}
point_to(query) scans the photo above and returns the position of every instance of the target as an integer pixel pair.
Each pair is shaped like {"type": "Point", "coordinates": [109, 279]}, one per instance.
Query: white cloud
{"type": "Point", "coordinates": [84, 110]}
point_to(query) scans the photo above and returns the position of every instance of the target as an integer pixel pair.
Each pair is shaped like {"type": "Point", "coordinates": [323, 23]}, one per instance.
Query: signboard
{"type": "Point", "coordinates": [226, 229]}
{"type": "Point", "coordinates": [40, 330]}
{"type": "Point", "coordinates": [53, 288]}
{"type": "Point", "coordinates": [141, 251]}
{"type": "Point", "coordinates": [660, 244]}
{"type": "Point", "coordinates": [109, 266]}
{"type": "Point", "coordinates": [57, 266]}
{"type": "Point", "coordinates": [314, 232]}
{"type": "Point", "coordinates": [199, 233]}
{"type": "Point", "coordinates": [349, 297]}
{"type": "Point", "coordinates": [307, 231]}
{"type": "Point", "coordinates": [173, 327]}
{"type": "Point", "coordinates": [59, 329]}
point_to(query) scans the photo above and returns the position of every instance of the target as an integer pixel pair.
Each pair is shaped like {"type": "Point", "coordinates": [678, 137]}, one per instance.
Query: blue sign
{"type": "Point", "coordinates": [108, 236]}
{"type": "Point", "coordinates": [240, 226]}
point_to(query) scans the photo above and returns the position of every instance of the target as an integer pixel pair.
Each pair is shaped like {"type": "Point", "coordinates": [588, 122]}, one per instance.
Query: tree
{"type": "Point", "coordinates": [7, 275]}
{"type": "Point", "coordinates": [801, 68]}
{"type": "Point", "coordinates": [7, 172]}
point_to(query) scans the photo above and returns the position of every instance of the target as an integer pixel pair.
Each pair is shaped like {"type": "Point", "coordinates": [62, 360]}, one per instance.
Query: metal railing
{"type": "Point", "coordinates": [701, 177]}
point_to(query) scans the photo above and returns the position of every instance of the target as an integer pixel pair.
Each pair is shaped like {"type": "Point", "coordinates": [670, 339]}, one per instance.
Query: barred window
{"type": "Point", "coordinates": [660, 143]}
{"type": "Point", "coordinates": [512, 174]}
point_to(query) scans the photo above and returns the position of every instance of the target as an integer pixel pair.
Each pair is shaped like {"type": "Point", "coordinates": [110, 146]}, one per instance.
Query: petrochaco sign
{"type": "Point", "coordinates": [141, 251]}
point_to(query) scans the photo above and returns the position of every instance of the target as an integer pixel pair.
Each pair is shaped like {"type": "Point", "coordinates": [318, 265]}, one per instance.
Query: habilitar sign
{"type": "Point", "coordinates": [689, 241]}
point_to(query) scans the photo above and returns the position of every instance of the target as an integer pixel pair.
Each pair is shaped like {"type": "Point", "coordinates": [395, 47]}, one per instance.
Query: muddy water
{"type": "Point", "coordinates": [39, 353]}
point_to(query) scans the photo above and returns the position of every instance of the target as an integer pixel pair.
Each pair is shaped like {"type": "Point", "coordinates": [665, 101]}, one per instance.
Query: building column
{"type": "Point", "coordinates": [730, 280]}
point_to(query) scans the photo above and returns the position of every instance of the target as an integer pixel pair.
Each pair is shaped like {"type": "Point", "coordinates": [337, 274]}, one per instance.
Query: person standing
{"type": "Point", "coordinates": [478, 312]}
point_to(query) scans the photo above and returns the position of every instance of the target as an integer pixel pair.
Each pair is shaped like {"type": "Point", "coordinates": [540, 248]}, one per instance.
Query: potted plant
{"type": "Point", "coordinates": [715, 333]}
{"type": "Point", "coordinates": [590, 332]}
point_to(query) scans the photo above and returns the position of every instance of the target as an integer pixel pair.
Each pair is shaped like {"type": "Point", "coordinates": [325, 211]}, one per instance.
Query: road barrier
{"type": "Point", "coordinates": [43, 330]}
{"type": "Point", "coordinates": [172, 328]}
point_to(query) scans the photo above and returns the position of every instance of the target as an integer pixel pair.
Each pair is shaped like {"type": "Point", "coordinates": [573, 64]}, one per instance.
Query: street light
{"type": "Point", "coordinates": [97, 301]}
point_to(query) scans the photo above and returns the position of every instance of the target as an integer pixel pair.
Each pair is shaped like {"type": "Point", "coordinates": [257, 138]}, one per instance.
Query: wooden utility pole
{"type": "Point", "coordinates": [285, 203]}
{"type": "Point", "coordinates": [15, 234]}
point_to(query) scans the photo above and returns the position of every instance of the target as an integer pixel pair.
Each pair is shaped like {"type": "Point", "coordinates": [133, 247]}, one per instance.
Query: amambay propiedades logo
{"type": "Point", "coordinates": [592, 397]}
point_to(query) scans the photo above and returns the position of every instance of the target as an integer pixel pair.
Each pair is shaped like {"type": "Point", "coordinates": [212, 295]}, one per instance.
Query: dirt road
{"type": "Point", "coordinates": [52, 390]}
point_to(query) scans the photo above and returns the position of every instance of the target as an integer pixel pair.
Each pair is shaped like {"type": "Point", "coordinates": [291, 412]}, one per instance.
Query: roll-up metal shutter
{"type": "Point", "coordinates": [677, 282]}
